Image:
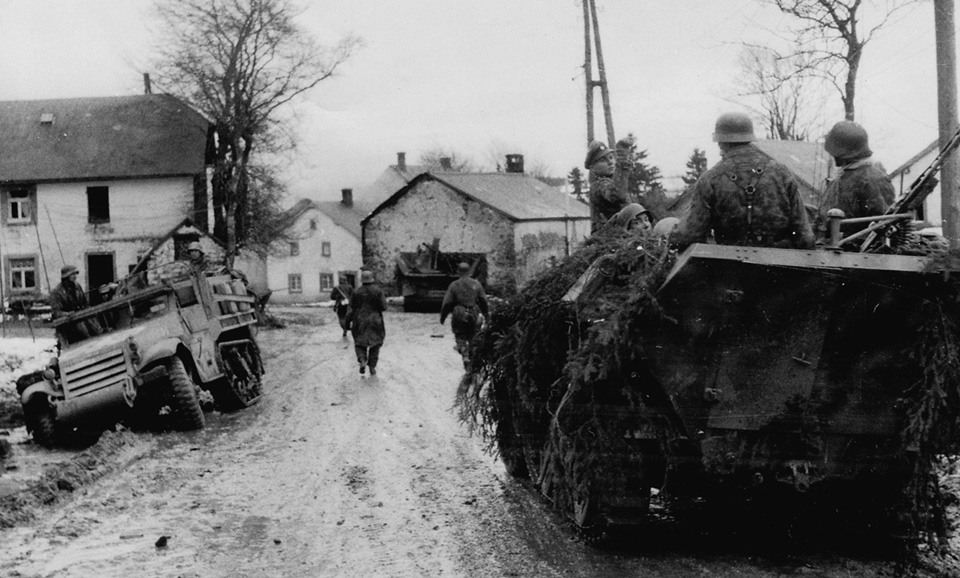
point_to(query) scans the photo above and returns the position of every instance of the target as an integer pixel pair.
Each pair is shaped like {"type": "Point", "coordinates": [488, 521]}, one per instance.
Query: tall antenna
{"type": "Point", "coordinates": [590, 14]}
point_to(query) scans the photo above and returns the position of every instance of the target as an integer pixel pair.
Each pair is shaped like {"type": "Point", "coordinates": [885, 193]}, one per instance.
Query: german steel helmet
{"type": "Point", "coordinates": [195, 246]}
{"type": "Point", "coordinates": [847, 140]}
{"type": "Point", "coordinates": [734, 127]}
{"type": "Point", "coordinates": [366, 277]}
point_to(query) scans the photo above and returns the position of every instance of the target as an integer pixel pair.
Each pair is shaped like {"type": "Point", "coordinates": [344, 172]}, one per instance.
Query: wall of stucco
{"type": "Point", "coordinates": [141, 211]}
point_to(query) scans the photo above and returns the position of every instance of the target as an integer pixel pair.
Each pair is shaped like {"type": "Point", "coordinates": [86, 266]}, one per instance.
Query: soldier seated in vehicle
{"type": "Point", "coordinates": [747, 198]}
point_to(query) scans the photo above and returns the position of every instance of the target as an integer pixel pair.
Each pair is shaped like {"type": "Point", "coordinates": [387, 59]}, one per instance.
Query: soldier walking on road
{"type": "Point", "coordinates": [365, 320]}
{"type": "Point", "coordinates": [464, 301]}
{"type": "Point", "coordinates": [341, 303]}
{"type": "Point", "coordinates": [861, 187]}
{"type": "Point", "coordinates": [747, 198]}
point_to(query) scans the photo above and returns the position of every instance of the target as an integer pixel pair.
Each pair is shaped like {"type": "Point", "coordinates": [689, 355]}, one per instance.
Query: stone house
{"type": "Point", "coordinates": [95, 182]}
{"type": "Point", "coordinates": [317, 248]}
{"type": "Point", "coordinates": [520, 223]}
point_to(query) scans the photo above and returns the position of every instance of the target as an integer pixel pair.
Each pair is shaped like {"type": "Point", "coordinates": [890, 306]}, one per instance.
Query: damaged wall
{"type": "Point", "coordinates": [433, 210]}
{"type": "Point", "coordinates": [538, 244]}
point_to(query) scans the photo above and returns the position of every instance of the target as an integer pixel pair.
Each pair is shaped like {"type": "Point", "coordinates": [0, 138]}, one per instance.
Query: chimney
{"type": "Point", "coordinates": [347, 199]}
{"type": "Point", "coordinates": [146, 83]}
{"type": "Point", "coordinates": [446, 163]}
{"type": "Point", "coordinates": [515, 164]}
{"type": "Point", "coordinates": [402, 161]}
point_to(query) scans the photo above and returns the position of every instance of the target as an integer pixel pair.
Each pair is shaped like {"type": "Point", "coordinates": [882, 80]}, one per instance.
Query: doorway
{"type": "Point", "coordinates": [101, 269]}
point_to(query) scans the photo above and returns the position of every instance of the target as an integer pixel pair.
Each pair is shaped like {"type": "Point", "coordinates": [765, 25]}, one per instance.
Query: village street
{"type": "Point", "coordinates": [341, 475]}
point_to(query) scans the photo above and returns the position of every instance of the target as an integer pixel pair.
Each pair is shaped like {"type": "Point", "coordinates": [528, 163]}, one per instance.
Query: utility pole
{"type": "Point", "coordinates": [588, 16]}
{"type": "Point", "coordinates": [943, 11]}
{"type": "Point", "coordinates": [588, 69]}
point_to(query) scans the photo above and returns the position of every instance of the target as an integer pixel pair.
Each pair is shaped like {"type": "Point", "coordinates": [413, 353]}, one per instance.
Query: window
{"type": "Point", "coordinates": [23, 274]}
{"type": "Point", "coordinates": [18, 206]}
{"type": "Point", "coordinates": [98, 205]}
{"type": "Point", "coordinates": [294, 248]}
{"type": "Point", "coordinates": [313, 224]}
{"type": "Point", "coordinates": [295, 283]}
{"type": "Point", "coordinates": [325, 248]}
{"type": "Point", "coordinates": [326, 281]}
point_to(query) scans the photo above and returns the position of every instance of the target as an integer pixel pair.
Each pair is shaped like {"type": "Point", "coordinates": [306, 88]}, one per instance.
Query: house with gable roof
{"type": "Point", "coordinates": [520, 223]}
{"type": "Point", "coordinates": [95, 183]}
{"type": "Point", "coordinates": [318, 246]}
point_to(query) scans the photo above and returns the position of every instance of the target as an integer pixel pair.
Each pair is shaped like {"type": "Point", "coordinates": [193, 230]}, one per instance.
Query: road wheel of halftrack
{"type": "Point", "coordinates": [586, 516]}
{"type": "Point", "coordinates": [241, 385]}
{"type": "Point", "coordinates": [41, 421]}
{"type": "Point", "coordinates": [185, 403]}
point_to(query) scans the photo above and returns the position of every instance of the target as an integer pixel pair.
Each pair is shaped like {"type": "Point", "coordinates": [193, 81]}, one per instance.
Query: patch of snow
{"type": "Point", "coordinates": [20, 355]}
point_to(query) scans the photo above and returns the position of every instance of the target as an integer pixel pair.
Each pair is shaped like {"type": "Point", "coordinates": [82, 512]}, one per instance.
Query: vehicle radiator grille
{"type": "Point", "coordinates": [103, 371]}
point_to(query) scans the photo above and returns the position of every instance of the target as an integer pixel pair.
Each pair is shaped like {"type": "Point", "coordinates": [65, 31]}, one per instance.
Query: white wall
{"type": "Point", "coordinates": [539, 243]}
{"type": "Point", "coordinates": [141, 211]}
{"type": "Point", "coordinates": [932, 204]}
{"type": "Point", "coordinates": [310, 263]}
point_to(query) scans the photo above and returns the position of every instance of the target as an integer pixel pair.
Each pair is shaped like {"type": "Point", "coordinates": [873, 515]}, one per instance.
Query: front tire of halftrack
{"type": "Point", "coordinates": [185, 403]}
{"type": "Point", "coordinates": [41, 421]}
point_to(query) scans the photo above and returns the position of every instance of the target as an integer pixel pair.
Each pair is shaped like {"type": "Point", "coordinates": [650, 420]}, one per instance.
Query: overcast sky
{"type": "Point", "coordinates": [472, 77]}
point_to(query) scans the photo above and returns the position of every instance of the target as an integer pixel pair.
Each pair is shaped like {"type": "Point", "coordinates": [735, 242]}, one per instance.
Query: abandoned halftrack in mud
{"type": "Point", "coordinates": [144, 356]}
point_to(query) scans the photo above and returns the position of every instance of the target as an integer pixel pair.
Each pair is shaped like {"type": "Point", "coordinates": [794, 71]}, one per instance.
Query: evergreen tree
{"type": "Point", "coordinates": [695, 167]}
{"type": "Point", "coordinates": [643, 179]}
{"type": "Point", "coordinates": [575, 178]}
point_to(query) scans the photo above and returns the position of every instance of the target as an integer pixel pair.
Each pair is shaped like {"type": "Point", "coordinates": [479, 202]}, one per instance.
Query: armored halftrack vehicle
{"type": "Point", "coordinates": [422, 277]}
{"type": "Point", "coordinates": [145, 356]}
{"type": "Point", "coordinates": [733, 372]}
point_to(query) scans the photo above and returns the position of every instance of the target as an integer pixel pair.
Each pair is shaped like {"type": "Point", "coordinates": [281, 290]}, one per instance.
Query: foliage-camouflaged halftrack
{"type": "Point", "coordinates": [144, 357]}
{"type": "Point", "coordinates": [724, 373]}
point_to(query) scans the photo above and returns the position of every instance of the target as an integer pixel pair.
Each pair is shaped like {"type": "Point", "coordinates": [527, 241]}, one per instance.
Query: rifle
{"type": "Point", "coordinates": [915, 195]}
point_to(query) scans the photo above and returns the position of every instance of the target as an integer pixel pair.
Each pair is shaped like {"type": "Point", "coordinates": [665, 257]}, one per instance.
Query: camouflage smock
{"type": "Point", "coordinates": [606, 199]}
{"type": "Point", "coordinates": [464, 299]}
{"type": "Point", "coordinates": [772, 216]}
{"type": "Point", "coordinates": [860, 189]}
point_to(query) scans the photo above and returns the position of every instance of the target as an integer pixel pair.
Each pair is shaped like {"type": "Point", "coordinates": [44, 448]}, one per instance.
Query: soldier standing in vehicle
{"type": "Point", "coordinates": [747, 198]}
{"type": "Point", "coordinates": [861, 187]}
{"type": "Point", "coordinates": [341, 302]}
{"type": "Point", "coordinates": [365, 319]}
{"type": "Point", "coordinates": [198, 259]}
{"type": "Point", "coordinates": [465, 301]}
{"type": "Point", "coordinates": [606, 198]}
{"type": "Point", "coordinates": [68, 296]}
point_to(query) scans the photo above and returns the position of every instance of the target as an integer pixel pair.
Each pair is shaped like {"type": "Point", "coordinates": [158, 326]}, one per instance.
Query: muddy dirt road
{"type": "Point", "coordinates": [341, 475]}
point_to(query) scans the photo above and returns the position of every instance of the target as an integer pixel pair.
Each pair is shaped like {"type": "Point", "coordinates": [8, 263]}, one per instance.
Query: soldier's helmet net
{"type": "Point", "coordinates": [847, 140]}
{"type": "Point", "coordinates": [733, 127]}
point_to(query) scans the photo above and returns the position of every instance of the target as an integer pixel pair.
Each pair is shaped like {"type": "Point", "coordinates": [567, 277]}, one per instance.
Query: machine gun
{"type": "Point", "coordinates": [886, 225]}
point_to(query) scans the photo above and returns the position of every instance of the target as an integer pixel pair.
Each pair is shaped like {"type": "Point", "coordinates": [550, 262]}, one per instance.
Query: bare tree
{"type": "Point", "coordinates": [830, 37]}
{"type": "Point", "coordinates": [239, 61]}
{"type": "Point", "coordinates": [781, 88]}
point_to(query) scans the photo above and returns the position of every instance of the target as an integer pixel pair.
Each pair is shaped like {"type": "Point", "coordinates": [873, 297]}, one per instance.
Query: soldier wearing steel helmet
{"type": "Point", "coordinates": [747, 198]}
{"type": "Point", "coordinates": [365, 320]}
{"type": "Point", "coordinates": [861, 187]}
{"type": "Point", "coordinates": [466, 303]}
